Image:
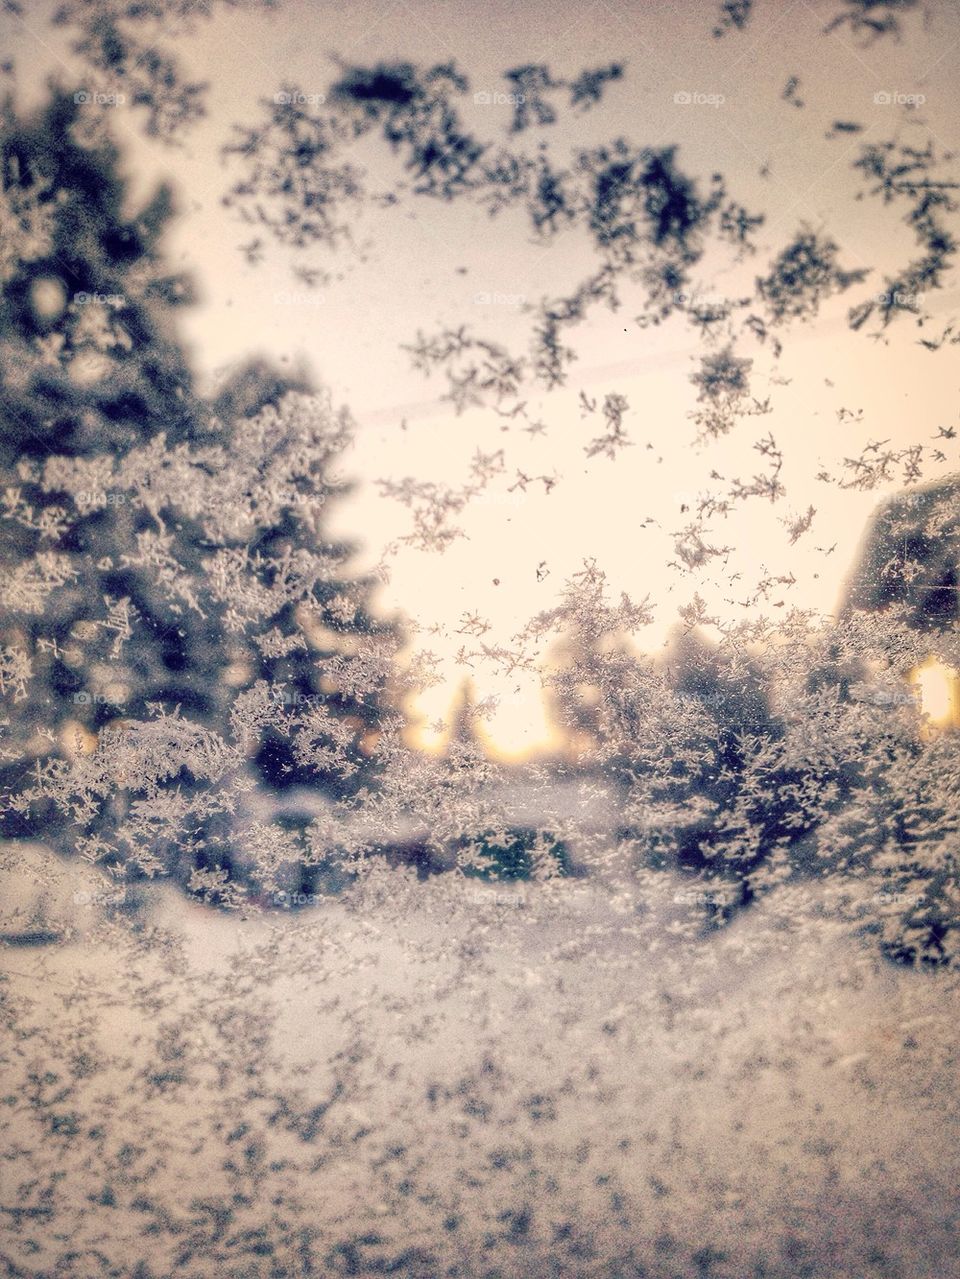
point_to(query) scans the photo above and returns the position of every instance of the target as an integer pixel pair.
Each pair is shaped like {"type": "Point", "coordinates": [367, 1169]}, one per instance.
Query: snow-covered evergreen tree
{"type": "Point", "coordinates": [181, 626]}
{"type": "Point", "coordinates": [92, 374]}
{"type": "Point", "coordinates": [303, 632]}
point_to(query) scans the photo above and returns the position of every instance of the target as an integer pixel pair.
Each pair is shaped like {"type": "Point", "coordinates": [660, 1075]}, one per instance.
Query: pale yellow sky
{"type": "Point", "coordinates": [350, 332]}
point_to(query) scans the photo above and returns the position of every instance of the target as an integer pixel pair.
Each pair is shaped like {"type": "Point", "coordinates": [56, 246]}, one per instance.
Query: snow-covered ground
{"type": "Point", "coordinates": [455, 1078]}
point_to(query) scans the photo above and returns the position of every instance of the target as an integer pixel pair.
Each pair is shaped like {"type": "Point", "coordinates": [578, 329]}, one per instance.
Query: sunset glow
{"type": "Point", "coordinates": [938, 692]}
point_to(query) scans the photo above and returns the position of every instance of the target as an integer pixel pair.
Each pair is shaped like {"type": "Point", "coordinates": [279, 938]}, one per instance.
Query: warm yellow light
{"type": "Point", "coordinates": [938, 692]}
{"type": "Point", "coordinates": [517, 728]}
{"type": "Point", "coordinates": [428, 714]}
{"type": "Point", "coordinates": [75, 740]}
{"type": "Point", "coordinates": [48, 297]}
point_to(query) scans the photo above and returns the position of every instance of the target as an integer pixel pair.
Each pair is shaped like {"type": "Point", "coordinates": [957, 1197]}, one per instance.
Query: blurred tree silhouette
{"type": "Point", "coordinates": [910, 558]}
{"type": "Point", "coordinates": [91, 372]}
{"type": "Point", "coordinates": [307, 632]}
{"type": "Point", "coordinates": [167, 556]}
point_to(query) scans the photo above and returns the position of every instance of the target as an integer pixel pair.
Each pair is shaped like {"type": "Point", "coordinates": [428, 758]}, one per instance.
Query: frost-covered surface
{"type": "Point", "coordinates": [502, 1080]}
{"type": "Point", "coordinates": [282, 993]}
